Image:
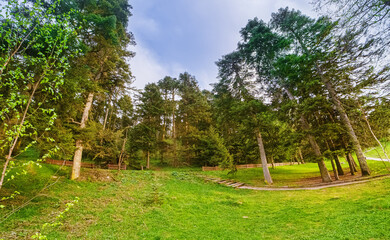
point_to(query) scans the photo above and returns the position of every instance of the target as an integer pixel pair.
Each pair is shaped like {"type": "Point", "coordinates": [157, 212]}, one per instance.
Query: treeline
{"type": "Point", "coordinates": [295, 89]}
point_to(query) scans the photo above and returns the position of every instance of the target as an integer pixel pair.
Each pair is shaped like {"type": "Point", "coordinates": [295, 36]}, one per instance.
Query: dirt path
{"type": "Point", "coordinates": [240, 185]}
{"type": "Point", "coordinates": [378, 159]}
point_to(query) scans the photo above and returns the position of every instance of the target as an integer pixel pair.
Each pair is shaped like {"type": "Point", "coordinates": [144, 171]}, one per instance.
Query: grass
{"type": "Point", "coordinates": [292, 176]}
{"type": "Point", "coordinates": [179, 205]}
{"type": "Point", "coordinates": [377, 152]}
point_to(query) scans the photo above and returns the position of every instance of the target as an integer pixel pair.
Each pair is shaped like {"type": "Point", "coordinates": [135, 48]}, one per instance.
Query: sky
{"type": "Point", "coordinates": [174, 36]}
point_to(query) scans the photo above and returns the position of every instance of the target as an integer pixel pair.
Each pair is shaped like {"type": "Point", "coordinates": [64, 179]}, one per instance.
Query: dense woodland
{"type": "Point", "coordinates": [295, 89]}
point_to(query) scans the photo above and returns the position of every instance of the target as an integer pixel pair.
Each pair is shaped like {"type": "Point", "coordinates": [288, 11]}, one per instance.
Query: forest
{"type": "Point", "coordinates": [297, 89]}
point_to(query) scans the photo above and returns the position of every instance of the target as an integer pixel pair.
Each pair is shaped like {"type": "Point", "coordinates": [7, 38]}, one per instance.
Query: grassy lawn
{"type": "Point", "coordinates": [293, 175]}
{"type": "Point", "coordinates": [377, 152]}
{"type": "Point", "coordinates": [180, 205]}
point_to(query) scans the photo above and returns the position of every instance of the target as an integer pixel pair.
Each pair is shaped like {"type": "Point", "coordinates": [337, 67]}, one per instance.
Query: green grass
{"type": "Point", "coordinates": [376, 152]}
{"type": "Point", "coordinates": [289, 175]}
{"type": "Point", "coordinates": [179, 205]}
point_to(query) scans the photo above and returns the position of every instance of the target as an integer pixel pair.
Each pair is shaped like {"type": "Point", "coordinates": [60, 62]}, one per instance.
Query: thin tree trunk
{"type": "Point", "coordinates": [122, 152]}
{"type": "Point", "coordinates": [148, 160]}
{"type": "Point", "coordinates": [351, 169]}
{"type": "Point", "coordinates": [79, 143]}
{"type": "Point", "coordinates": [373, 134]}
{"type": "Point", "coordinates": [337, 160]}
{"type": "Point", "coordinates": [105, 119]}
{"type": "Point", "coordinates": [335, 171]}
{"type": "Point", "coordinates": [263, 157]}
{"type": "Point", "coordinates": [338, 165]}
{"type": "Point", "coordinates": [353, 162]}
{"type": "Point", "coordinates": [300, 155]}
{"type": "Point", "coordinates": [106, 115]}
{"type": "Point", "coordinates": [272, 162]}
{"type": "Point", "coordinates": [336, 175]}
{"type": "Point", "coordinates": [174, 129]}
{"type": "Point", "coordinates": [317, 151]}
{"type": "Point", "coordinates": [15, 51]}
{"type": "Point", "coordinates": [296, 158]}
{"type": "Point", "coordinates": [16, 138]}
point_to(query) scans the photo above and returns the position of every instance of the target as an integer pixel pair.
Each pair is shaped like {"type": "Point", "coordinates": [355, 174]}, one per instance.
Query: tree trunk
{"type": "Point", "coordinates": [148, 160]}
{"type": "Point", "coordinates": [296, 158]}
{"type": "Point", "coordinates": [79, 143]}
{"type": "Point", "coordinates": [16, 138]}
{"type": "Point", "coordinates": [351, 133]}
{"type": "Point", "coordinates": [340, 170]}
{"type": "Point", "coordinates": [320, 160]}
{"type": "Point", "coordinates": [300, 155]}
{"type": "Point", "coordinates": [351, 169]}
{"type": "Point", "coordinates": [122, 152]}
{"type": "Point", "coordinates": [336, 175]}
{"type": "Point", "coordinates": [337, 160]}
{"type": "Point", "coordinates": [352, 162]}
{"type": "Point", "coordinates": [175, 163]}
{"type": "Point", "coordinates": [272, 162]}
{"type": "Point", "coordinates": [264, 163]}
{"type": "Point", "coordinates": [106, 115]}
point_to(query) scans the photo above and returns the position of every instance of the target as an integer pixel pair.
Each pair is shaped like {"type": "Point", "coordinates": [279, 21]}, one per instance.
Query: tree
{"type": "Point", "coordinates": [104, 34]}
{"type": "Point", "coordinates": [234, 72]}
{"type": "Point", "coordinates": [313, 39]}
{"type": "Point", "coordinates": [150, 111]}
{"type": "Point", "coordinates": [33, 58]}
{"type": "Point", "coordinates": [264, 52]}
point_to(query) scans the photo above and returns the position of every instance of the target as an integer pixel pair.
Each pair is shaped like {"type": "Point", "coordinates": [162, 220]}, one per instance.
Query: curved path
{"type": "Point", "coordinates": [329, 185]}
{"type": "Point", "coordinates": [378, 159]}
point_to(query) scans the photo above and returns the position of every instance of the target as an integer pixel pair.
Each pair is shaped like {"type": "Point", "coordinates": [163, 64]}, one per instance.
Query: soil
{"type": "Point", "coordinates": [97, 175]}
{"type": "Point", "coordinates": [317, 181]}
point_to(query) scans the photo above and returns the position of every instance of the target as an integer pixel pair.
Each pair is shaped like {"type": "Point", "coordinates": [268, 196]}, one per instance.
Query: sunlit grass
{"type": "Point", "coordinates": [290, 175]}
{"type": "Point", "coordinates": [180, 205]}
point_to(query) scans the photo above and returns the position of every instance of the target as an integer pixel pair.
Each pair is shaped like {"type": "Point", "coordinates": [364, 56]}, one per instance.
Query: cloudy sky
{"type": "Point", "coordinates": [174, 36]}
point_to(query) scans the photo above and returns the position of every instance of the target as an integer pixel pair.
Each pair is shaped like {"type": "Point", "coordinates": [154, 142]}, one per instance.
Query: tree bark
{"type": "Point", "coordinates": [79, 143]}
{"type": "Point", "coordinates": [175, 163]}
{"type": "Point", "coordinates": [148, 160]}
{"type": "Point", "coordinates": [106, 115]}
{"type": "Point", "coordinates": [340, 170]}
{"type": "Point", "coordinates": [272, 162]}
{"type": "Point", "coordinates": [122, 152]}
{"type": "Point", "coordinates": [337, 160]}
{"type": "Point", "coordinates": [351, 169]}
{"type": "Point", "coordinates": [263, 157]}
{"type": "Point", "coordinates": [300, 155]}
{"type": "Point", "coordinates": [336, 175]}
{"type": "Point", "coordinates": [351, 133]}
{"type": "Point", "coordinates": [352, 162]}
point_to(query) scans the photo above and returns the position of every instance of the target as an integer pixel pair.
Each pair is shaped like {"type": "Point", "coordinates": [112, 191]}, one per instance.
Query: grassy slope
{"type": "Point", "coordinates": [178, 205]}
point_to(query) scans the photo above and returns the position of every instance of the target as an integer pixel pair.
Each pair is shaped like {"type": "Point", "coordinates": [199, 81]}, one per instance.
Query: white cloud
{"type": "Point", "coordinates": [204, 31]}
{"type": "Point", "coordinates": [148, 26]}
{"type": "Point", "coordinates": [145, 67]}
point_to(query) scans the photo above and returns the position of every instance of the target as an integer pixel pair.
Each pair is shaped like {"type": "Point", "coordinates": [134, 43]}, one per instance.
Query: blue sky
{"type": "Point", "coordinates": [174, 36]}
